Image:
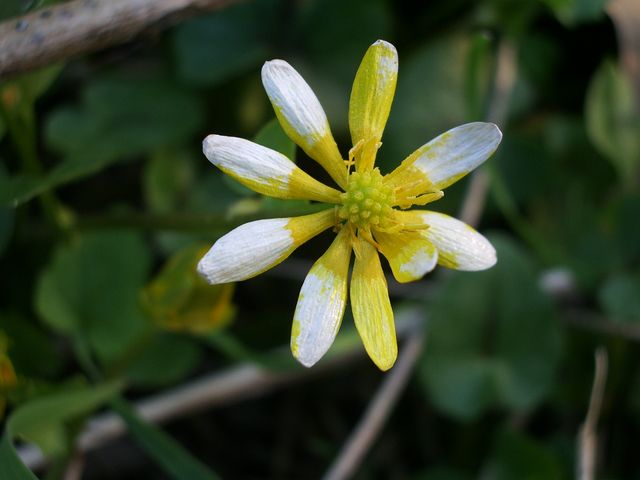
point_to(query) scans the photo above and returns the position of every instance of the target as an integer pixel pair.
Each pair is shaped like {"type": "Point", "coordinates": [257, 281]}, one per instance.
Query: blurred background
{"type": "Point", "coordinates": [107, 203]}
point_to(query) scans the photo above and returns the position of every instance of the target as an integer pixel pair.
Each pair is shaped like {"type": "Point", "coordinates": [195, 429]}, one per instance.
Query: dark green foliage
{"type": "Point", "coordinates": [102, 181]}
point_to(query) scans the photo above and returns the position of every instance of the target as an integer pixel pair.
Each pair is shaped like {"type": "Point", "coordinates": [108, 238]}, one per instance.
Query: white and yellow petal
{"type": "Point", "coordinates": [371, 307]}
{"type": "Point", "coordinates": [255, 247]}
{"type": "Point", "coordinates": [302, 117]}
{"type": "Point", "coordinates": [447, 158]}
{"type": "Point", "coordinates": [459, 245]}
{"type": "Point", "coordinates": [322, 302]}
{"type": "Point", "coordinates": [370, 102]}
{"type": "Point", "coordinates": [264, 170]}
{"type": "Point", "coordinates": [410, 254]}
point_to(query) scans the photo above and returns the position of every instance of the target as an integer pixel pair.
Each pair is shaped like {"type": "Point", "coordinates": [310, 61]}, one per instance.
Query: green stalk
{"type": "Point", "coordinates": [22, 130]}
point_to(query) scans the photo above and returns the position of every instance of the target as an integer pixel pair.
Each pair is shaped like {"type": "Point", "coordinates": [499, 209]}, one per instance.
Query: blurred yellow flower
{"type": "Point", "coordinates": [369, 214]}
{"type": "Point", "coordinates": [178, 299]}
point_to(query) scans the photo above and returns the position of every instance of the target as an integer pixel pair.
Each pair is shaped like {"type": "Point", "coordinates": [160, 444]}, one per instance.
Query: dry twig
{"type": "Point", "coordinates": [234, 384]}
{"type": "Point", "coordinates": [588, 436]}
{"type": "Point", "coordinates": [375, 416]}
{"type": "Point", "coordinates": [626, 18]}
{"type": "Point", "coordinates": [587, 320]}
{"type": "Point", "coordinates": [81, 26]}
{"type": "Point", "coordinates": [75, 467]}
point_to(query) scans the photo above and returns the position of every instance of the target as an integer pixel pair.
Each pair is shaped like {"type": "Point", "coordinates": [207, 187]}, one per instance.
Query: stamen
{"type": "Point", "coordinates": [351, 162]}
{"type": "Point", "coordinates": [366, 236]}
{"type": "Point", "coordinates": [408, 201]}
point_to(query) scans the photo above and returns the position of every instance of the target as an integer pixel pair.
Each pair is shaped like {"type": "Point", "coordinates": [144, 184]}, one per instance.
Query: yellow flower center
{"type": "Point", "coordinates": [367, 201]}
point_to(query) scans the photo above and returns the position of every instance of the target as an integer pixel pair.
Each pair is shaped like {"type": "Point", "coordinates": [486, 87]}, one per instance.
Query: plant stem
{"type": "Point", "coordinates": [209, 223]}
{"type": "Point", "coordinates": [22, 129]}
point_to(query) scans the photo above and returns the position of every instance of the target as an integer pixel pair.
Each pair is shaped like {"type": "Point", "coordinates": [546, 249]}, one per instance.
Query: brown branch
{"type": "Point", "coordinates": [81, 26]}
{"type": "Point", "coordinates": [626, 18]}
{"type": "Point", "coordinates": [239, 382]}
{"type": "Point", "coordinates": [592, 321]}
{"type": "Point", "coordinates": [588, 435]}
{"type": "Point", "coordinates": [377, 412]}
{"type": "Point", "coordinates": [75, 467]}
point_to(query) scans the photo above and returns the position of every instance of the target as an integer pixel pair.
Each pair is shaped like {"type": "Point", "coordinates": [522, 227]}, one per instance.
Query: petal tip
{"type": "Point", "coordinates": [204, 270]}
{"type": "Point", "coordinates": [385, 364]}
{"type": "Point", "coordinates": [208, 141]}
{"type": "Point", "coordinates": [210, 145]}
{"type": "Point", "coordinates": [267, 70]}
{"type": "Point", "coordinates": [490, 130]}
{"type": "Point", "coordinates": [271, 65]}
{"type": "Point", "coordinates": [497, 132]}
{"type": "Point", "coordinates": [305, 361]}
{"type": "Point", "coordinates": [492, 257]}
{"type": "Point", "coordinates": [385, 44]}
{"type": "Point", "coordinates": [485, 256]}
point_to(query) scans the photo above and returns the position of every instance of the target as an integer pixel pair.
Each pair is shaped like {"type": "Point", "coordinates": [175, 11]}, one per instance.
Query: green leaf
{"type": "Point", "coordinates": [171, 456]}
{"type": "Point", "coordinates": [576, 12]}
{"type": "Point", "coordinates": [516, 456]}
{"type": "Point", "coordinates": [121, 119]}
{"type": "Point", "coordinates": [613, 123]}
{"type": "Point", "coordinates": [33, 84]}
{"type": "Point", "coordinates": [44, 419]}
{"type": "Point", "coordinates": [30, 348]}
{"type": "Point", "coordinates": [19, 96]}
{"type": "Point", "coordinates": [17, 189]}
{"type": "Point", "coordinates": [214, 48]}
{"type": "Point", "coordinates": [10, 464]}
{"type": "Point", "coordinates": [325, 29]}
{"type": "Point", "coordinates": [273, 137]}
{"type": "Point", "coordinates": [91, 288]}
{"type": "Point", "coordinates": [493, 339]}
{"type": "Point", "coordinates": [11, 8]}
{"type": "Point", "coordinates": [478, 71]}
{"type": "Point", "coordinates": [167, 179]}
{"type": "Point", "coordinates": [619, 297]}
{"type": "Point", "coordinates": [17, 110]}
{"type": "Point", "coordinates": [117, 120]}
{"type": "Point", "coordinates": [166, 360]}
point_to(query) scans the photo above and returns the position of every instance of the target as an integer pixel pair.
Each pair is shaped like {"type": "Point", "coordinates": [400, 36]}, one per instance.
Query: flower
{"type": "Point", "coordinates": [370, 214]}
{"type": "Point", "coordinates": [179, 300]}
